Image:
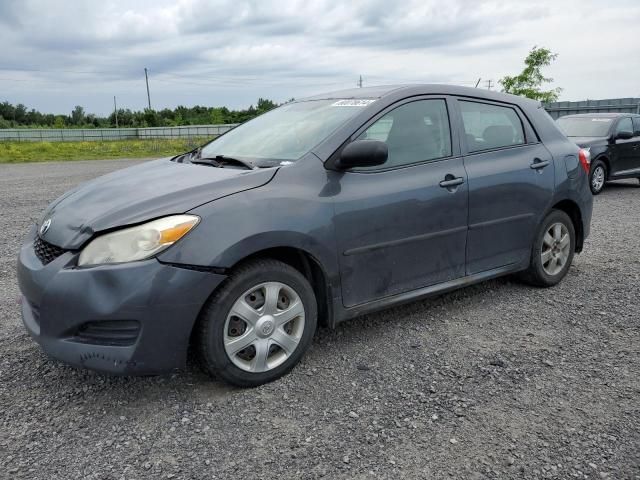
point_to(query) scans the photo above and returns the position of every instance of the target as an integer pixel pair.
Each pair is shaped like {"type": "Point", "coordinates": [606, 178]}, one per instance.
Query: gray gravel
{"type": "Point", "coordinates": [494, 381]}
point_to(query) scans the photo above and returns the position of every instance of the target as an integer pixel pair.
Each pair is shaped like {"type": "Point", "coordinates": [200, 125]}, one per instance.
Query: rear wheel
{"type": "Point", "coordinates": [258, 325]}
{"type": "Point", "coordinates": [598, 177]}
{"type": "Point", "coordinates": [553, 251]}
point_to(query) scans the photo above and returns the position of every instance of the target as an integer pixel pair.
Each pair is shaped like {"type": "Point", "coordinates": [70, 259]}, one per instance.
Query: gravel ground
{"type": "Point", "coordinates": [498, 380]}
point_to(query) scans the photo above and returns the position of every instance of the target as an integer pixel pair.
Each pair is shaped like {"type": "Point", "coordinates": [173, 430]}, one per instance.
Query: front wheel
{"type": "Point", "coordinates": [598, 177]}
{"type": "Point", "coordinates": [258, 325]}
{"type": "Point", "coordinates": [553, 251]}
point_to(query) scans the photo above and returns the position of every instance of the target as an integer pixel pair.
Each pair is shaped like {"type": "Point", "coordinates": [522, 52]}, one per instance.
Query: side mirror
{"type": "Point", "coordinates": [624, 135]}
{"type": "Point", "coordinates": [363, 153]}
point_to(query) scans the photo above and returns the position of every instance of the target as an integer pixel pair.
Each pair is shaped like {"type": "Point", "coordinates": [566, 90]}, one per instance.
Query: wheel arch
{"type": "Point", "coordinates": [572, 209]}
{"type": "Point", "coordinates": [309, 266]}
{"type": "Point", "coordinates": [308, 262]}
{"type": "Point", "coordinates": [604, 159]}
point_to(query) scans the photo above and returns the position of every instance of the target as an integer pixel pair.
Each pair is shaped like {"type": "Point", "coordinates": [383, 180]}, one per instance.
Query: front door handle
{"type": "Point", "coordinates": [450, 181]}
{"type": "Point", "coordinates": [537, 163]}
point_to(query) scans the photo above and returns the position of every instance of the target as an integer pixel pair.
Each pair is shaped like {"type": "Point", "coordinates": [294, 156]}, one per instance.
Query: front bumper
{"type": "Point", "coordinates": [157, 303]}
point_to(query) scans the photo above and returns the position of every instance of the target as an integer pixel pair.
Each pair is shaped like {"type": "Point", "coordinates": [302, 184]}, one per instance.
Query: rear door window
{"type": "Point", "coordinates": [624, 125]}
{"type": "Point", "coordinates": [488, 126]}
{"type": "Point", "coordinates": [636, 126]}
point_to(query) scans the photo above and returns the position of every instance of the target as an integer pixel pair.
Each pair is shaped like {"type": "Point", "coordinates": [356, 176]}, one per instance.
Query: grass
{"type": "Point", "coordinates": [21, 152]}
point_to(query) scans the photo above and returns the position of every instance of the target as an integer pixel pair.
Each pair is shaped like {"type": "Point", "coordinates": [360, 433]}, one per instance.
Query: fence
{"type": "Point", "coordinates": [99, 134]}
{"type": "Point", "coordinates": [619, 105]}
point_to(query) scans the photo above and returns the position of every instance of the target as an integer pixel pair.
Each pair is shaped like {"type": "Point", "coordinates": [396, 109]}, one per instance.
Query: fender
{"type": "Point", "coordinates": [242, 224]}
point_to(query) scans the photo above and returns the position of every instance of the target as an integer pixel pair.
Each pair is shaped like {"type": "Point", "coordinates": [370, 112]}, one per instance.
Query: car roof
{"type": "Point", "coordinates": [422, 89]}
{"type": "Point", "coordinates": [601, 115]}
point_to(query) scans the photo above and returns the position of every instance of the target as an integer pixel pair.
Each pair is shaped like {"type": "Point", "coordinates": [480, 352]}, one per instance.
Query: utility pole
{"type": "Point", "coordinates": [360, 82]}
{"type": "Point", "coordinates": [489, 84]}
{"type": "Point", "coordinates": [146, 77]}
{"type": "Point", "coordinates": [115, 110]}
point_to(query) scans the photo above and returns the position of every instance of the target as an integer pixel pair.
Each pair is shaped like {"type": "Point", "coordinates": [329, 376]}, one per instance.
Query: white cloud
{"type": "Point", "coordinates": [57, 54]}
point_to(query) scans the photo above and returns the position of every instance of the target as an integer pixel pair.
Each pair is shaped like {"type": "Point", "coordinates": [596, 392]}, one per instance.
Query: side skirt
{"type": "Point", "coordinates": [623, 174]}
{"type": "Point", "coordinates": [343, 314]}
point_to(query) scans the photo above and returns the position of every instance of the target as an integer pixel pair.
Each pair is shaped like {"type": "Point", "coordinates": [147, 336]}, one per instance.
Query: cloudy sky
{"type": "Point", "coordinates": [59, 53]}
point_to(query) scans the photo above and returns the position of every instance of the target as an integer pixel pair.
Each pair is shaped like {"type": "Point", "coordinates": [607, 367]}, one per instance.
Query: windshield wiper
{"type": "Point", "coordinates": [220, 160]}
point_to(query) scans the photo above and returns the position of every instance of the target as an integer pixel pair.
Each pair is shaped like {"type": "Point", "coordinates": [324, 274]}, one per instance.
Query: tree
{"type": "Point", "coordinates": [151, 118]}
{"type": "Point", "coordinates": [77, 115]}
{"type": "Point", "coordinates": [265, 105]}
{"type": "Point", "coordinates": [19, 116]}
{"type": "Point", "coordinates": [529, 82]}
{"type": "Point", "coordinates": [20, 113]}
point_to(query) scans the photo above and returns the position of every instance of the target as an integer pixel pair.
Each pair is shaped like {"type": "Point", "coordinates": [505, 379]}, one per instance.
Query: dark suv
{"type": "Point", "coordinates": [320, 210]}
{"type": "Point", "coordinates": [613, 140]}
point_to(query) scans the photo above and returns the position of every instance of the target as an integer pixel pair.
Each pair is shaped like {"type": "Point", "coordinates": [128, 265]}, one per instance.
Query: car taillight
{"type": "Point", "coordinates": [585, 159]}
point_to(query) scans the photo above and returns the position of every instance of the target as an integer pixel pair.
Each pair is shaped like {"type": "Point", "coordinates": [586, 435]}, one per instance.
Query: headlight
{"type": "Point", "coordinates": [137, 243]}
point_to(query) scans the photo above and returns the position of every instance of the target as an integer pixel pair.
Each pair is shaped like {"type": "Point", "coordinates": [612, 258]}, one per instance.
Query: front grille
{"type": "Point", "coordinates": [46, 252]}
{"type": "Point", "coordinates": [109, 332]}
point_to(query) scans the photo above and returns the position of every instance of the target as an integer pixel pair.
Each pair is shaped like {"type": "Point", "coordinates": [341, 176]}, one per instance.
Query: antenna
{"type": "Point", "coordinates": [360, 82]}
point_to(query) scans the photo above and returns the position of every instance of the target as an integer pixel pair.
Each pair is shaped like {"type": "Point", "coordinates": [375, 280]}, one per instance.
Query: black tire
{"type": "Point", "coordinates": [536, 274]}
{"type": "Point", "coordinates": [598, 164]}
{"type": "Point", "coordinates": [210, 348]}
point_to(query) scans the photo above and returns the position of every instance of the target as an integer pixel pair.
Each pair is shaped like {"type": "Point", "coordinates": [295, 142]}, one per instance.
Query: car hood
{"type": "Point", "coordinates": [585, 142]}
{"type": "Point", "coordinates": [140, 193]}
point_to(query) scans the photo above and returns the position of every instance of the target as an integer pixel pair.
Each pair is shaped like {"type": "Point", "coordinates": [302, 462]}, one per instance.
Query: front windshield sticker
{"type": "Point", "coordinates": [353, 103]}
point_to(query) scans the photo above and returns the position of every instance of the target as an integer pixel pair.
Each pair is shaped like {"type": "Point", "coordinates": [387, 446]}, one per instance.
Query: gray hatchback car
{"type": "Point", "coordinates": [318, 211]}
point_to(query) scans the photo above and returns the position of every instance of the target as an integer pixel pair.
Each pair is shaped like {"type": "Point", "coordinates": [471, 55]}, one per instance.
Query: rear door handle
{"type": "Point", "coordinates": [451, 181]}
{"type": "Point", "coordinates": [537, 163]}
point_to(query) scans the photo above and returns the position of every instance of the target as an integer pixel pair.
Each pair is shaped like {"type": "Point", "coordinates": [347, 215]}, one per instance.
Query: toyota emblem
{"type": "Point", "coordinates": [44, 228]}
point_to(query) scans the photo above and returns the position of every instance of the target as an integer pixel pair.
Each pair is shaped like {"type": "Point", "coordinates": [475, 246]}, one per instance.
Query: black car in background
{"type": "Point", "coordinates": [613, 140]}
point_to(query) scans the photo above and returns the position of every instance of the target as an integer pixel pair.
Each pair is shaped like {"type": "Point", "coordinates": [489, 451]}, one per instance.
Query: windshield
{"type": "Point", "coordinates": [585, 126]}
{"type": "Point", "coordinates": [285, 133]}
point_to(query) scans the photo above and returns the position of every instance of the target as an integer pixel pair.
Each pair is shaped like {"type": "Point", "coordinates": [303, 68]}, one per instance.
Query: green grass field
{"type": "Point", "coordinates": [20, 152]}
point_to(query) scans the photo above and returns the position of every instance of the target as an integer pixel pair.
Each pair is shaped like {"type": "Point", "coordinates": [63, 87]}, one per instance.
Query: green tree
{"type": "Point", "coordinates": [77, 115]}
{"type": "Point", "coordinates": [264, 105]}
{"type": "Point", "coordinates": [20, 116]}
{"type": "Point", "coordinates": [217, 116]}
{"type": "Point", "coordinates": [529, 82]}
{"type": "Point", "coordinates": [151, 118]}
{"type": "Point", "coordinates": [20, 113]}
